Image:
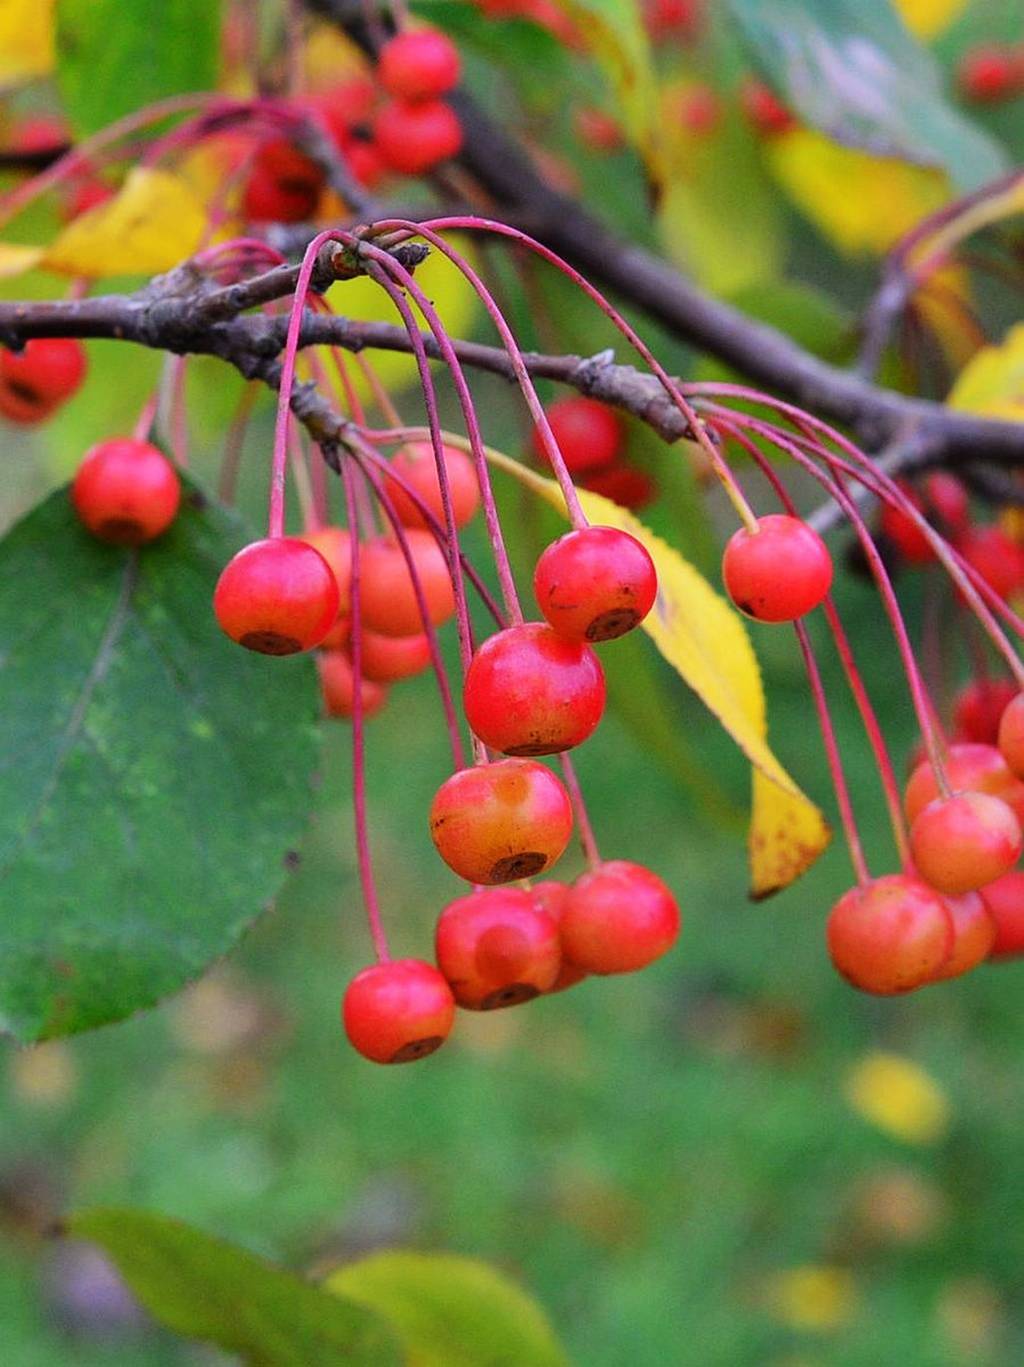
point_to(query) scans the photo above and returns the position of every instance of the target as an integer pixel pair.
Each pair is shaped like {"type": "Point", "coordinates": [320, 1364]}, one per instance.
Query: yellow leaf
{"type": "Point", "coordinates": [26, 40]}
{"type": "Point", "coordinates": [152, 224]}
{"type": "Point", "coordinates": [706, 642]}
{"type": "Point", "coordinates": [939, 301]}
{"type": "Point", "coordinates": [812, 1299]}
{"type": "Point", "coordinates": [992, 383]}
{"type": "Point", "coordinates": [898, 1097]}
{"type": "Point", "coordinates": [927, 18]}
{"type": "Point", "coordinates": [15, 260]}
{"type": "Point", "coordinates": [863, 203]}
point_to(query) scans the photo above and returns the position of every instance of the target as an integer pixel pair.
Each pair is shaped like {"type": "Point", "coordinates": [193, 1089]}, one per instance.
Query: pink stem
{"type": "Point", "coordinates": [144, 423]}
{"type": "Point", "coordinates": [583, 824]}
{"type": "Point", "coordinates": [234, 441]}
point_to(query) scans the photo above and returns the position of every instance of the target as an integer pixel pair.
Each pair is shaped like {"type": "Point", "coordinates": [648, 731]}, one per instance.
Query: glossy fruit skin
{"type": "Point", "coordinates": [529, 691]}
{"type": "Point", "coordinates": [778, 573]}
{"type": "Point", "coordinates": [623, 484]}
{"type": "Point", "coordinates": [283, 186]}
{"type": "Point", "coordinates": [962, 842]}
{"type": "Point", "coordinates": [277, 596]}
{"type": "Point", "coordinates": [496, 823]}
{"type": "Point", "coordinates": [126, 492]}
{"type": "Point", "coordinates": [415, 463]}
{"type": "Point", "coordinates": [553, 898]}
{"type": "Point", "coordinates": [419, 65]}
{"type": "Point", "coordinates": [398, 1011]}
{"type": "Point", "coordinates": [892, 936]}
{"type": "Point", "coordinates": [595, 584]}
{"type": "Point", "coordinates": [618, 918]}
{"type": "Point", "coordinates": [948, 501]}
{"type": "Point", "coordinates": [35, 382]}
{"type": "Point", "coordinates": [589, 434]}
{"type": "Point", "coordinates": [335, 545]}
{"type": "Point", "coordinates": [979, 708]}
{"type": "Point", "coordinates": [338, 686]}
{"type": "Point", "coordinates": [413, 138]}
{"type": "Point", "coordinates": [497, 947]}
{"type": "Point", "coordinates": [997, 558]}
{"type": "Point", "coordinates": [972, 768]}
{"type": "Point", "coordinates": [386, 659]}
{"type": "Point", "coordinates": [974, 933]}
{"type": "Point", "coordinates": [1011, 736]}
{"type": "Point", "coordinates": [907, 537]}
{"type": "Point", "coordinates": [1005, 901]}
{"type": "Point", "coordinates": [387, 596]}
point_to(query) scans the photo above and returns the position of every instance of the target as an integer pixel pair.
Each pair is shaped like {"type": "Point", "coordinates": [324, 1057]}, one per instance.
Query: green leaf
{"type": "Point", "coordinates": [152, 775]}
{"type": "Point", "coordinates": [851, 68]}
{"type": "Point", "coordinates": [813, 319]}
{"type": "Point", "coordinates": [451, 1311]}
{"type": "Point", "coordinates": [116, 56]}
{"type": "Point", "coordinates": [204, 1288]}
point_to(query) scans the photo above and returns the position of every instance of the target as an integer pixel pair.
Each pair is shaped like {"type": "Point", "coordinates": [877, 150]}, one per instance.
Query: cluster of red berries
{"type": "Point", "coordinates": [592, 440]}
{"type": "Point", "coordinates": [992, 73]}
{"type": "Point", "coordinates": [39, 379]}
{"type": "Point", "coordinates": [396, 123]}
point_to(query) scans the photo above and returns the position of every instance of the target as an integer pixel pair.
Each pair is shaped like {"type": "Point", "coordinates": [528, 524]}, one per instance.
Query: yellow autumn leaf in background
{"type": "Point", "coordinates": [992, 383]}
{"type": "Point", "coordinates": [26, 40]}
{"type": "Point", "coordinates": [15, 260]}
{"type": "Point", "coordinates": [928, 18]}
{"type": "Point", "coordinates": [864, 204]}
{"type": "Point", "coordinates": [898, 1097]}
{"type": "Point", "coordinates": [812, 1299]}
{"type": "Point", "coordinates": [706, 642]}
{"type": "Point", "coordinates": [150, 225]}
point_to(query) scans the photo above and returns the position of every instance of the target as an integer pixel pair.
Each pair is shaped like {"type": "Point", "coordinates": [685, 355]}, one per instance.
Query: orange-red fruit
{"type": "Point", "coordinates": [387, 595]}
{"type": "Point", "coordinates": [1011, 735]}
{"type": "Point", "coordinates": [413, 138]}
{"type": "Point", "coordinates": [35, 381]}
{"type": "Point", "coordinates": [962, 842]}
{"type": "Point", "coordinates": [338, 686]}
{"type": "Point", "coordinates": [386, 659]}
{"type": "Point", "coordinates": [398, 1011]}
{"type": "Point", "coordinates": [595, 584]}
{"type": "Point", "coordinates": [996, 557]}
{"type": "Point", "coordinates": [891, 936]}
{"type": "Point", "coordinates": [990, 73]}
{"type": "Point", "coordinates": [974, 933]}
{"type": "Point", "coordinates": [497, 947]}
{"type": "Point", "coordinates": [970, 768]}
{"type": "Point", "coordinates": [904, 533]}
{"type": "Point", "coordinates": [126, 491]}
{"type": "Point", "coordinates": [283, 186]}
{"type": "Point", "coordinates": [979, 708]}
{"type": "Point", "coordinates": [418, 65]}
{"type": "Point", "coordinates": [778, 573]}
{"type": "Point", "coordinates": [588, 434]}
{"type": "Point", "coordinates": [553, 898]}
{"type": "Point", "coordinates": [415, 464]}
{"type": "Point", "coordinates": [530, 691]}
{"type": "Point", "coordinates": [764, 110]}
{"type": "Point", "coordinates": [335, 545]}
{"type": "Point", "coordinates": [1005, 900]}
{"type": "Point", "coordinates": [623, 484]}
{"type": "Point", "coordinates": [618, 918]}
{"type": "Point", "coordinates": [277, 596]}
{"type": "Point", "coordinates": [495, 823]}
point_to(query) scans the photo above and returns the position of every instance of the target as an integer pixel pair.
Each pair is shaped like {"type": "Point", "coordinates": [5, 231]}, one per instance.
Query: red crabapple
{"type": "Point", "coordinates": [277, 596]}
{"type": "Point", "coordinates": [778, 573]}
{"type": "Point", "coordinates": [588, 434]}
{"type": "Point", "coordinates": [414, 138]}
{"type": "Point", "coordinates": [989, 73]}
{"type": "Point", "coordinates": [415, 463]}
{"type": "Point", "coordinates": [1011, 735]}
{"type": "Point", "coordinates": [970, 768]}
{"type": "Point", "coordinates": [979, 707]}
{"type": "Point", "coordinates": [906, 536]}
{"type": "Point", "coordinates": [623, 484]}
{"type": "Point", "coordinates": [387, 595]}
{"type": "Point", "coordinates": [126, 491]}
{"type": "Point", "coordinates": [497, 947]}
{"type": "Point", "coordinates": [496, 823]}
{"type": "Point", "coordinates": [338, 686]}
{"type": "Point", "coordinates": [35, 381]}
{"type": "Point", "coordinates": [974, 933]}
{"type": "Point", "coordinates": [335, 545]}
{"type": "Point", "coordinates": [530, 691]}
{"type": "Point", "coordinates": [892, 935]}
{"type": "Point", "coordinates": [1005, 900]}
{"type": "Point", "coordinates": [764, 111]}
{"type": "Point", "coordinates": [398, 1011]}
{"type": "Point", "coordinates": [283, 186]}
{"type": "Point", "coordinates": [553, 898]}
{"type": "Point", "coordinates": [595, 583]}
{"type": "Point", "coordinates": [418, 65]}
{"type": "Point", "coordinates": [386, 659]}
{"type": "Point", "coordinates": [618, 918]}
{"type": "Point", "coordinates": [597, 129]}
{"type": "Point", "coordinates": [995, 557]}
{"type": "Point", "coordinates": [962, 842]}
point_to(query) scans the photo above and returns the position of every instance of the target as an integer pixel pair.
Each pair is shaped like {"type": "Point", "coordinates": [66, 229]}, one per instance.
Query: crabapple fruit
{"type": "Point", "coordinates": [497, 947]}
{"type": "Point", "coordinates": [618, 918]}
{"type": "Point", "coordinates": [398, 1011]}
{"type": "Point", "coordinates": [595, 583]}
{"type": "Point", "coordinates": [778, 573]}
{"type": "Point", "coordinates": [126, 491]}
{"type": "Point", "coordinates": [277, 596]}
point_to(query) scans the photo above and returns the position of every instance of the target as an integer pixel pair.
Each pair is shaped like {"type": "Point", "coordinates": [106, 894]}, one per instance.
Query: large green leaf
{"type": "Point", "coordinates": [114, 56]}
{"type": "Point", "coordinates": [451, 1311]}
{"type": "Point", "coordinates": [852, 69]}
{"type": "Point", "coordinates": [204, 1288]}
{"type": "Point", "coordinates": [152, 775]}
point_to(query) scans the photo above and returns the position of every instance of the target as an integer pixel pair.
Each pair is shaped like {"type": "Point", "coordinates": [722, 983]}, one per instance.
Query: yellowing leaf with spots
{"type": "Point", "coordinates": [898, 1097]}
{"type": "Point", "coordinates": [928, 18]}
{"type": "Point", "coordinates": [26, 40]}
{"type": "Point", "coordinates": [812, 1299]}
{"type": "Point", "coordinates": [706, 642]}
{"type": "Point", "coordinates": [153, 222]}
{"type": "Point", "coordinates": [992, 383]}
{"type": "Point", "coordinates": [862, 203]}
